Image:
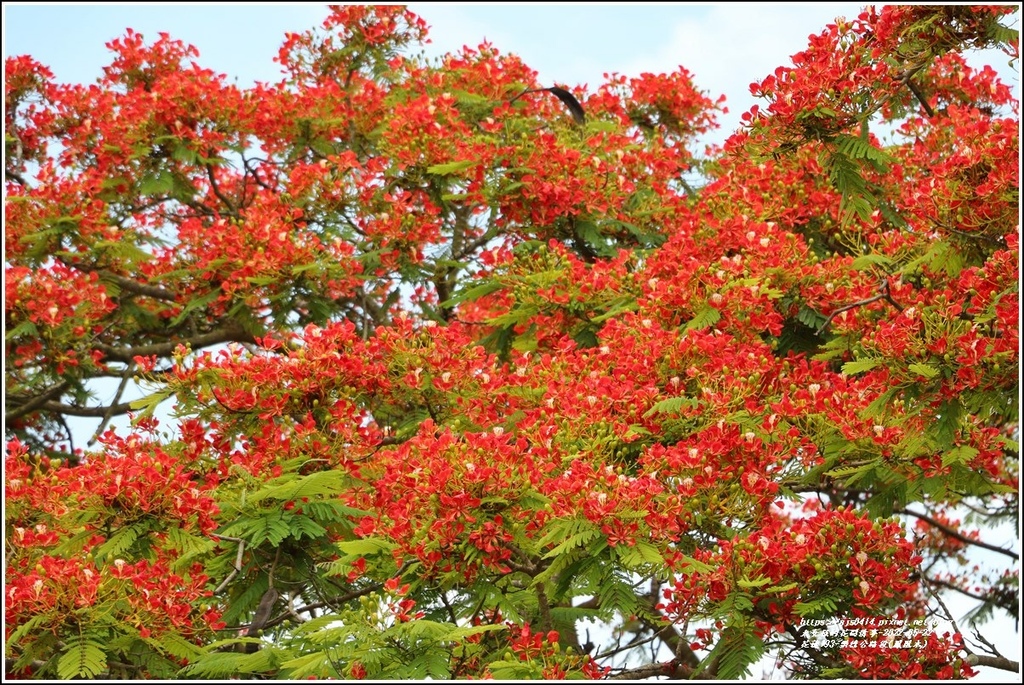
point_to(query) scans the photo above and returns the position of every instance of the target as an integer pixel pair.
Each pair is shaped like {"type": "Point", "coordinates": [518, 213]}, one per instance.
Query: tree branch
{"type": "Point", "coordinates": [1002, 663]}
{"type": "Point", "coordinates": [232, 211]}
{"type": "Point", "coordinates": [133, 286]}
{"type": "Point", "coordinates": [960, 536]}
{"type": "Point", "coordinates": [668, 668]}
{"type": "Point", "coordinates": [667, 633]}
{"type": "Point", "coordinates": [128, 354]}
{"type": "Point", "coordinates": [996, 660]}
{"type": "Point", "coordinates": [883, 294]}
{"type": "Point", "coordinates": [920, 96]}
{"type": "Point", "coordinates": [100, 412]}
{"type": "Point", "coordinates": [34, 403]}
{"type": "Point", "coordinates": [950, 586]}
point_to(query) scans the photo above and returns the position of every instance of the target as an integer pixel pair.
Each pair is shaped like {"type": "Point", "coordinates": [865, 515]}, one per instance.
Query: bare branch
{"type": "Point", "coordinates": [949, 586]}
{"type": "Point", "coordinates": [920, 96]}
{"type": "Point", "coordinates": [959, 536]}
{"type": "Point", "coordinates": [113, 406]}
{"type": "Point", "coordinates": [99, 412]}
{"type": "Point", "coordinates": [34, 403]}
{"type": "Point", "coordinates": [1002, 663]}
{"type": "Point", "coordinates": [883, 294]}
{"type": "Point", "coordinates": [128, 354]}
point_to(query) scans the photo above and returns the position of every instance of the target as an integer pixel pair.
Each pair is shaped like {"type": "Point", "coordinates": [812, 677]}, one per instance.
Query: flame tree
{"type": "Point", "coordinates": [447, 362]}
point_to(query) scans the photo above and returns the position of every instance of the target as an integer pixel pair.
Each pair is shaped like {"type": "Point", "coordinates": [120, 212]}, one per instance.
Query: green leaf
{"type": "Point", "coordinates": [617, 594]}
{"type": "Point", "coordinates": [468, 631]}
{"type": "Point", "coordinates": [270, 527]}
{"type": "Point", "coordinates": [948, 422]}
{"type": "Point", "coordinates": [161, 183]}
{"type": "Point", "coordinates": [304, 526]}
{"type": "Point", "coordinates": [854, 472]}
{"type": "Point", "coordinates": [514, 670]}
{"type": "Point", "coordinates": [586, 338]}
{"type": "Point", "coordinates": [672, 405]}
{"type": "Point", "coordinates": [819, 607]}
{"type": "Point", "coordinates": [706, 317]}
{"type": "Point", "coordinates": [451, 167]}
{"type": "Point", "coordinates": [182, 153]}
{"type": "Point", "coordinates": [860, 365]}
{"type": "Point", "coordinates": [83, 658]}
{"type": "Point", "coordinates": [736, 651]}
{"type": "Point", "coordinates": [320, 483]}
{"type": "Point", "coordinates": [624, 305]}
{"type": "Point", "coordinates": [959, 455]}
{"type": "Point", "coordinates": [120, 541]}
{"type": "Point", "coordinates": [873, 259]}
{"type": "Point", "coordinates": [749, 584]}
{"type": "Point", "coordinates": [148, 404]}
{"type": "Point", "coordinates": [218, 664]}
{"type": "Point", "coordinates": [473, 293]}
{"type": "Point", "coordinates": [27, 627]}
{"type": "Point", "coordinates": [517, 315]}
{"type": "Point", "coordinates": [26, 328]}
{"type": "Point", "coordinates": [924, 370]}
{"type": "Point", "coordinates": [856, 147]}
{"type": "Point", "coordinates": [195, 304]}
{"type": "Point", "coordinates": [315, 664]}
{"type": "Point", "coordinates": [693, 566]}
{"type": "Point", "coordinates": [633, 556]}
{"type": "Point", "coordinates": [577, 540]}
{"type": "Point", "coordinates": [366, 546]}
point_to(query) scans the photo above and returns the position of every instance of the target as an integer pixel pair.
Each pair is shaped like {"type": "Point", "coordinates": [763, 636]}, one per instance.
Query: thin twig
{"type": "Point", "coordinates": [238, 562]}
{"type": "Point", "coordinates": [988, 645]}
{"type": "Point", "coordinates": [994, 660]}
{"type": "Point", "coordinates": [107, 415]}
{"type": "Point", "coordinates": [883, 294]}
{"type": "Point", "coordinates": [920, 97]}
{"type": "Point", "coordinates": [960, 536]}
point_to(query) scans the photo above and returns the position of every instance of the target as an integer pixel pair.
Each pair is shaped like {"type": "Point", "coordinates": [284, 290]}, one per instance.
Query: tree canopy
{"type": "Point", "coordinates": [450, 373]}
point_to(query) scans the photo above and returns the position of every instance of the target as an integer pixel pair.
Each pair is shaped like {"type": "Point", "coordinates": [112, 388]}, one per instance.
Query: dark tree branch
{"type": "Point", "coordinates": [133, 286]}
{"type": "Point", "coordinates": [1002, 663]}
{"type": "Point", "coordinates": [31, 405]}
{"type": "Point", "coordinates": [667, 633]}
{"type": "Point", "coordinates": [232, 210]}
{"type": "Point", "coordinates": [883, 294]}
{"type": "Point", "coordinates": [221, 335]}
{"type": "Point", "coordinates": [995, 660]}
{"type": "Point", "coordinates": [920, 96]}
{"type": "Point", "coordinates": [949, 586]}
{"type": "Point", "coordinates": [567, 98]}
{"type": "Point", "coordinates": [99, 412]}
{"type": "Point", "coordinates": [960, 536]}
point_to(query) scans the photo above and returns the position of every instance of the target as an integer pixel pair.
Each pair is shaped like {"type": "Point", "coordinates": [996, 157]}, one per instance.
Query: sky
{"type": "Point", "coordinates": [724, 46]}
